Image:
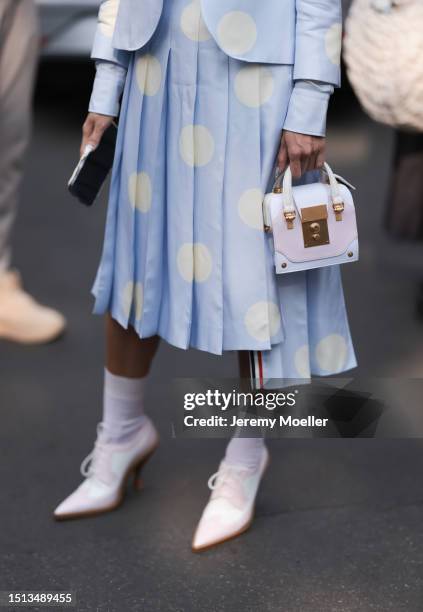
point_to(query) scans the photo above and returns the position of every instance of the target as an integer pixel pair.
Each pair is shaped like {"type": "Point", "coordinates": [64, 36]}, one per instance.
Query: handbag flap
{"type": "Point", "coordinates": [309, 200]}
{"type": "Point", "coordinates": [313, 213]}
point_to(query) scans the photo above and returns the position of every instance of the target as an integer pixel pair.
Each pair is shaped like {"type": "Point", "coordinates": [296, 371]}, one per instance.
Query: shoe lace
{"type": "Point", "coordinates": [227, 475]}
{"type": "Point", "coordinates": [95, 462]}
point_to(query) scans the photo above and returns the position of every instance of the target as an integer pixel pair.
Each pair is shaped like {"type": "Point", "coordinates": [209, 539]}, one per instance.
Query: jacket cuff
{"type": "Point", "coordinates": [107, 89]}
{"type": "Point", "coordinates": [308, 107]}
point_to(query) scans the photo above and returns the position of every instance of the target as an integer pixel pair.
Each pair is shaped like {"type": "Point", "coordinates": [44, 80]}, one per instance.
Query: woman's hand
{"type": "Point", "coordinates": [301, 152]}
{"type": "Point", "coordinates": [93, 129]}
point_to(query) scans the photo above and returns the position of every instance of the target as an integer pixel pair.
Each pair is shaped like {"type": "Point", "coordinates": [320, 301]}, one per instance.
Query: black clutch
{"type": "Point", "coordinates": [93, 167]}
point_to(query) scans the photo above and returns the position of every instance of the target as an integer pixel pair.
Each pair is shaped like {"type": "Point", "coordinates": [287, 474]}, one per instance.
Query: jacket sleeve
{"type": "Point", "coordinates": [307, 108]}
{"type": "Point", "coordinates": [107, 90]}
{"type": "Point", "coordinates": [103, 48]}
{"type": "Point", "coordinates": [318, 35]}
{"type": "Point", "coordinates": [111, 63]}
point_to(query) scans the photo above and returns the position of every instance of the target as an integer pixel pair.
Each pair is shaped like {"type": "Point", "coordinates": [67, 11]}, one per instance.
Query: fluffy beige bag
{"type": "Point", "coordinates": [383, 52]}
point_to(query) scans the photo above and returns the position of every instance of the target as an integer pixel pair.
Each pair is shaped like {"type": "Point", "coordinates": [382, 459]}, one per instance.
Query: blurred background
{"type": "Point", "coordinates": [68, 27]}
{"type": "Point", "coordinates": [338, 521]}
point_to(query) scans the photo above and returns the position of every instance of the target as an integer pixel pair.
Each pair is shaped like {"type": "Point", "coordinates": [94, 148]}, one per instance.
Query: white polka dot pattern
{"type": "Point", "coordinates": [107, 17]}
{"type": "Point", "coordinates": [196, 145]}
{"type": "Point", "coordinates": [237, 32]}
{"type": "Point", "coordinates": [133, 295]}
{"type": "Point", "coordinates": [302, 361]}
{"type": "Point", "coordinates": [127, 295]}
{"type": "Point", "coordinates": [250, 208]}
{"type": "Point", "coordinates": [194, 262]}
{"type": "Point", "coordinates": [149, 74]}
{"type": "Point", "coordinates": [254, 85]}
{"type": "Point", "coordinates": [331, 353]}
{"type": "Point", "coordinates": [139, 300]}
{"type": "Point", "coordinates": [333, 43]}
{"type": "Point", "coordinates": [263, 320]}
{"type": "Point", "coordinates": [140, 191]}
{"type": "Point", "coordinates": [192, 23]}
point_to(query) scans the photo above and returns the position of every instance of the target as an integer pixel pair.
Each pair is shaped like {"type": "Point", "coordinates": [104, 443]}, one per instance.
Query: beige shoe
{"type": "Point", "coordinates": [22, 319]}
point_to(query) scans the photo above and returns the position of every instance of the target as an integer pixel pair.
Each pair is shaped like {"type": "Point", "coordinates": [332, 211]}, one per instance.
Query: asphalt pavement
{"type": "Point", "coordinates": [339, 521]}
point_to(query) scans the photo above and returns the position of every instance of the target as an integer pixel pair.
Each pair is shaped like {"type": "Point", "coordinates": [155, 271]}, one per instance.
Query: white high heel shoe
{"type": "Point", "coordinates": [230, 510]}
{"type": "Point", "coordinates": [107, 470]}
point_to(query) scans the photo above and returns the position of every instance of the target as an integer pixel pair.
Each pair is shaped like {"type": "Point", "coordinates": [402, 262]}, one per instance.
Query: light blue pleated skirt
{"type": "Point", "coordinates": [185, 255]}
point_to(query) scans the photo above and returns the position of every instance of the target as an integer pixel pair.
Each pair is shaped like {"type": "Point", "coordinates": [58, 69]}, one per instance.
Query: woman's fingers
{"type": "Point", "coordinates": [320, 153]}
{"type": "Point", "coordinates": [304, 152]}
{"type": "Point", "coordinates": [312, 161]}
{"type": "Point", "coordinates": [320, 158]}
{"type": "Point", "coordinates": [87, 129]}
{"type": "Point", "coordinates": [282, 155]}
{"type": "Point", "coordinates": [93, 129]}
{"type": "Point", "coordinates": [295, 162]}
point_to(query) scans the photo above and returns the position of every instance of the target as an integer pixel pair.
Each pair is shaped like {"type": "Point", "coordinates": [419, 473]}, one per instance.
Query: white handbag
{"type": "Point", "coordinates": [383, 51]}
{"type": "Point", "coordinates": [313, 225]}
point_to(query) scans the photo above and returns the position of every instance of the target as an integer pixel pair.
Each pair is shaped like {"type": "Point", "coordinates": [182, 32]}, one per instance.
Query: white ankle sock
{"type": "Point", "coordinates": [245, 451]}
{"type": "Point", "coordinates": [123, 406]}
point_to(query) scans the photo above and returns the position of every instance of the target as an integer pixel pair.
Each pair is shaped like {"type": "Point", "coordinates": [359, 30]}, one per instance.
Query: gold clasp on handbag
{"type": "Point", "coordinates": [289, 218]}
{"type": "Point", "coordinates": [338, 209]}
{"type": "Point", "coordinates": [314, 221]}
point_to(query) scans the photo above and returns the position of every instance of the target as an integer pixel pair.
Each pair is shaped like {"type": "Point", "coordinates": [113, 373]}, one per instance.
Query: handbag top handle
{"type": "Point", "coordinates": [288, 201]}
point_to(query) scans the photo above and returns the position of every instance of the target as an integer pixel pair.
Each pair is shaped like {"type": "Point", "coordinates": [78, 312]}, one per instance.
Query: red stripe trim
{"type": "Point", "coordinates": [260, 365]}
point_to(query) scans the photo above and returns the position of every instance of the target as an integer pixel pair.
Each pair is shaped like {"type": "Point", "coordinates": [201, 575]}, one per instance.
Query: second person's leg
{"type": "Point", "coordinates": [22, 319]}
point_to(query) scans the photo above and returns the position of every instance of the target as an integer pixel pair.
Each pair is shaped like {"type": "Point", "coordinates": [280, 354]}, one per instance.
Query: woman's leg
{"type": "Point", "coordinates": [230, 509]}
{"type": "Point", "coordinates": [126, 438]}
{"type": "Point", "coordinates": [245, 448]}
{"type": "Point", "coordinates": [244, 367]}
{"type": "Point", "coordinates": [128, 363]}
{"type": "Point", "coordinates": [126, 353]}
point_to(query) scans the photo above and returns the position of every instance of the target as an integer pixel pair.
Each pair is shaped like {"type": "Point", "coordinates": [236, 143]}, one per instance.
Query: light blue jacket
{"type": "Point", "coordinates": [303, 33]}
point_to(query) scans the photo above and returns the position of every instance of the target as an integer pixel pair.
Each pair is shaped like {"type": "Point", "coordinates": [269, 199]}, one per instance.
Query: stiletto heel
{"type": "Point", "coordinates": [138, 482]}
